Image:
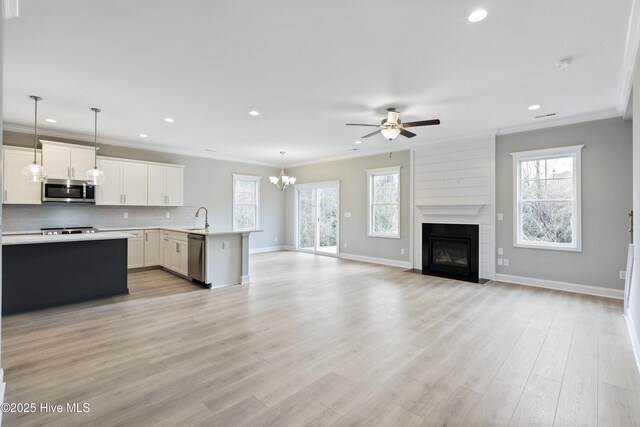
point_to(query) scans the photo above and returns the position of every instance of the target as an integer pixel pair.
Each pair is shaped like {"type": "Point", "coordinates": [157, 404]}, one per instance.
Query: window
{"type": "Point", "coordinates": [246, 202]}
{"type": "Point", "coordinates": [547, 198]}
{"type": "Point", "coordinates": [384, 202]}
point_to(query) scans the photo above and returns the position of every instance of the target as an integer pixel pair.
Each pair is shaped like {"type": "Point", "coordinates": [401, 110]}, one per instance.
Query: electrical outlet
{"type": "Point", "coordinates": [275, 240]}
{"type": "Point", "coordinates": [500, 217]}
{"type": "Point", "coordinates": [401, 251]}
{"type": "Point", "coordinates": [125, 215]}
{"type": "Point", "coordinates": [345, 245]}
{"type": "Point", "coordinates": [499, 261]}
{"type": "Point", "coordinates": [500, 251]}
{"type": "Point", "coordinates": [347, 214]}
{"type": "Point", "coordinates": [622, 274]}
{"type": "Point", "coordinates": [168, 215]}
{"type": "Point", "coordinates": [225, 245]}
{"type": "Point", "coordinates": [506, 262]}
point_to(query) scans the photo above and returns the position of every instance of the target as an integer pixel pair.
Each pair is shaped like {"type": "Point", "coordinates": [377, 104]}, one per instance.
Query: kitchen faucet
{"type": "Point", "coordinates": [206, 216]}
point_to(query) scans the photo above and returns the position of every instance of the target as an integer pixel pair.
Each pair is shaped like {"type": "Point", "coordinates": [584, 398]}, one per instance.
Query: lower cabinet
{"type": "Point", "coordinates": [135, 249]}
{"type": "Point", "coordinates": [152, 248]}
{"type": "Point", "coordinates": [175, 255]}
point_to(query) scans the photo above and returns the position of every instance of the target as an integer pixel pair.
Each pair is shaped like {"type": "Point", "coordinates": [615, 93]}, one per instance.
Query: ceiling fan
{"type": "Point", "coordinates": [391, 127]}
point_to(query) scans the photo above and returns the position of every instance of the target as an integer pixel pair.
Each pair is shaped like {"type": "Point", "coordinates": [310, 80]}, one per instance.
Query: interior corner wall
{"type": "Point", "coordinates": [633, 310]}
{"type": "Point", "coordinates": [352, 174]}
{"type": "Point", "coordinates": [606, 202]}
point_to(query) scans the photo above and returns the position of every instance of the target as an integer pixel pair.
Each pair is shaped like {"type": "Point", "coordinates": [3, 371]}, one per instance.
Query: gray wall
{"type": "Point", "coordinates": [353, 198]}
{"type": "Point", "coordinates": [207, 182]}
{"type": "Point", "coordinates": [606, 201]}
{"type": "Point", "coordinates": [633, 309]}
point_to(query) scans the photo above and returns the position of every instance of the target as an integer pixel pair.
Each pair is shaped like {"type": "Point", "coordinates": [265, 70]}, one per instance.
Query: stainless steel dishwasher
{"type": "Point", "coordinates": [196, 258]}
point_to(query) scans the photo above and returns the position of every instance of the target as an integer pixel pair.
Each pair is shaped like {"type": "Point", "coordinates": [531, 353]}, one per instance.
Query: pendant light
{"type": "Point", "coordinates": [95, 176]}
{"type": "Point", "coordinates": [282, 181]}
{"type": "Point", "coordinates": [35, 172]}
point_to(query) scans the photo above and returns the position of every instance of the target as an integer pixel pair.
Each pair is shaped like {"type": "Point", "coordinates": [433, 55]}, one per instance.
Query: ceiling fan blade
{"type": "Point", "coordinates": [422, 123]}
{"type": "Point", "coordinates": [361, 124]}
{"type": "Point", "coordinates": [372, 133]}
{"type": "Point", "coordinates": [406, 133]}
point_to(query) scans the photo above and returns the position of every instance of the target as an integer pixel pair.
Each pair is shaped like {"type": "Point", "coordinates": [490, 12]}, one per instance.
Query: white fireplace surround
{"type": "Point", "coordinates": [454, 183]}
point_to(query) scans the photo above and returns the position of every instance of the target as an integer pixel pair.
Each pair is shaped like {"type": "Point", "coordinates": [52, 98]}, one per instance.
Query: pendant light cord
{"type": "Point", "coordinates": [35, 129]}
{"type": "Point", "coordinates": [95, 137]}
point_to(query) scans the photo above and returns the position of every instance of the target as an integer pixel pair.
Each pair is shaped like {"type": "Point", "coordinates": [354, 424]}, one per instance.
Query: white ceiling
{"type": "Point", "coordinates": [309, 67]}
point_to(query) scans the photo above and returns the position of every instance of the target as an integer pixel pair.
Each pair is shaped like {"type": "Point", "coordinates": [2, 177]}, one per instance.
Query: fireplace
{"type": "Point", "coordinates": [451, 251]}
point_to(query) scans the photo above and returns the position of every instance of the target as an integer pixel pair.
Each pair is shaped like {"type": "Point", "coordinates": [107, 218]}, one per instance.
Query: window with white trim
{"type": "Point", "coordinates": [246, 202]}
{"type": "Point", "coordinates": [547, 198]}
{"type": "Point", "coordinates": [384, 202]}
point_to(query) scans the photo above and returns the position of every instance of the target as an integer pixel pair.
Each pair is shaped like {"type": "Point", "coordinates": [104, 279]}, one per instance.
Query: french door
{"type": "Point", "coordinates": [317, 217]}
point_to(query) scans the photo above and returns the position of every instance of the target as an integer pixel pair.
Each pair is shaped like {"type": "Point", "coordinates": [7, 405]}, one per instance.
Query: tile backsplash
{"type": "Point", "coordinates": [33, 217]}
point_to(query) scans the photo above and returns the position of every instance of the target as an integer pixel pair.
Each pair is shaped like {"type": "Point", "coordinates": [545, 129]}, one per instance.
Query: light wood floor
{"type": "Point", "coordinates": [322, 341]}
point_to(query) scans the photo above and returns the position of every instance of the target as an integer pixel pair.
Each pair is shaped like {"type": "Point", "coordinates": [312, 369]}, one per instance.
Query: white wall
{"type": "Point", "coordinates": [633, 311]}
{"type": "Point", "coordinates": [449, 176]}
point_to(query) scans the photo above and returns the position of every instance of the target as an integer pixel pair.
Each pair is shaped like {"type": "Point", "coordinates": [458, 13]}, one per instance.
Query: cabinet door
{"type": "Point", "coordinates": [174, 186]}
{"type": "Point", "coordinates": [134, 183]}
{"type": "Point", "coordinates": [81, 161]}
{"type": "Point", "coordinates": [57, 161]}
{"type": "Point", "coordinates": [152, 253]}
{"type": "Point", "coordinates": [183, 258]}
{"type": "Point", "coordinates": [135, 250]}
{"type": "Point", "coordinates": [110, 193]}
{"type": "Point", "coordinates": [16, 189]}
{"type": "Point", "coordinates": [168, 247]}
{"type": "Point", "coordinates": [156, 195]}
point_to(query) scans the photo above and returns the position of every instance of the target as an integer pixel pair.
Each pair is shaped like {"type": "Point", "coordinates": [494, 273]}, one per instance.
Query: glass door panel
{"type": "Point", "coordinates": [307, 219]}
{"type": "Point", "coordinates": [328, 220]}
{"type": "Point", "coordinates": [318, 216]}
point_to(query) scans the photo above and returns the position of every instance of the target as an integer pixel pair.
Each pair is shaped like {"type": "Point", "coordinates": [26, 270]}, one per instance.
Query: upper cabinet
{"type": "Point", "coordinates": [15, 189]}
{"type": "Point", "coordinates": [125, 183]}
{"type": "Point", "coordinates": [166, 185]}
{"type": "Point", "coordinates": [66, 161]}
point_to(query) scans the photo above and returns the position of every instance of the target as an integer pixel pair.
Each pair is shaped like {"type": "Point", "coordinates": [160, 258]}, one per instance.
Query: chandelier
{"type": "Point", "coordinates": [282, 181]}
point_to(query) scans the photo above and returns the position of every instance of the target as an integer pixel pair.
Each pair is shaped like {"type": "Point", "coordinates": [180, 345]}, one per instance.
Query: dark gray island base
{"type": "Point", "coordinates": [41, 275]}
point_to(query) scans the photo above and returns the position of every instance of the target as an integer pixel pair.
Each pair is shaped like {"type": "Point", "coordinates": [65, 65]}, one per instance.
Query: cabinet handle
{"type": "Point", "coordinates": [69, 171]}
{"type": "Point", "coordinates": [168, 200]}
{"type": "Point", "coordinates": [73, 172]}
{"type": "Point", "coordinates": [178, 247]}
{"type": "Point", "coordinates": [124, 198]}
{"type": "Point", "coordinates": [146, 237]}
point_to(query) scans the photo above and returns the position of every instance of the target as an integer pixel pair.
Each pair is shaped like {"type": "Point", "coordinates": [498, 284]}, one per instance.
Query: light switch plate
{"type": "Point", "coordinates": [225, 245]}
{"type": "Point", "coordinates": [500, 251]}
{"type": "Point", "coordinates": [499, 261]}
{"type": "Point", "coordinates": [401, 251]}
{"type": "Point", "coordinates": [506, 262]}
{"type": "Point", "coordinates": [125, 215]}
{"type": "Point", "coordinates": [168, 215]}
{"type": "Point", "coordinates": [347, 214]}
{"type": "Point", "coordinates": [622, 274]}
{"type": "Point", "coordinates": [500, 217]}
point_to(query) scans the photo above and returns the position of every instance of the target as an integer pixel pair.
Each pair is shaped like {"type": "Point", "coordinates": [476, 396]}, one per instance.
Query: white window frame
{"type": "Point", "coordinates": [370, 174]}
{"type": "Point", "coordinates": [549, 153]}
{"type": "Point", "coordinates": [255, 179]}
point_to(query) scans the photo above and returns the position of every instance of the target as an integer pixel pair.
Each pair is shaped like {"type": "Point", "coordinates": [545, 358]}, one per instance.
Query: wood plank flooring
{"type": "Point", "coordinates": [322, 341]}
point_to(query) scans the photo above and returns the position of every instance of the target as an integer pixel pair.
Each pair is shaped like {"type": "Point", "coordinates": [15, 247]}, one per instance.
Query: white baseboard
{"type": "Point", "coordinates": [635, 340]}
{"type": "Point", "coordinates": [372, 260]}
{"type": "Point", "coordinates": [265, 249]}
{"type": "Point", "coordinates": [562, 286]}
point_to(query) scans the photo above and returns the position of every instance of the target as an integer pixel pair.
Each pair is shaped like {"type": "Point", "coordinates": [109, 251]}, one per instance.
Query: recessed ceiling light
{"type": "Point", "coordinates": [51, 120]}
{"type": "Point", "coordinates": [254, 113]}
{"type": "Point", "coordinates": [358, 142]}
{"type": "Point", "coordinates": [143, 135]}
{"type": "Point", "coordinates": [478, 15]}
{"type": "Point", "coordinates": [534, 107]}
{"type": "Point", "coordinates": [169, 120]}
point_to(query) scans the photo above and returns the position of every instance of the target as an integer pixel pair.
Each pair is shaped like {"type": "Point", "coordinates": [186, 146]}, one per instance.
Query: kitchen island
{"type": "Point", "coordinates": [45, 271]}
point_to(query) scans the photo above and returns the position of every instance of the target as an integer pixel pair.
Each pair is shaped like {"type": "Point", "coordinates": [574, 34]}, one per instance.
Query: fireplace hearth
{"type": "Point", "coordinates": [451, 251]}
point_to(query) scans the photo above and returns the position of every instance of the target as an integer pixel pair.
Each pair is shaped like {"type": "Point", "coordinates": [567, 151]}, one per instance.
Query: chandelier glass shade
{"type": "Point", "coordinates": [390, 133]}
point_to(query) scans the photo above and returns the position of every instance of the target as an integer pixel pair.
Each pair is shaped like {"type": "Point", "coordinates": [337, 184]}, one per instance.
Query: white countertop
{"type": "Point", "coordinates": [210, 232]}
{"type": "Point", "coordinates": [23, 239]}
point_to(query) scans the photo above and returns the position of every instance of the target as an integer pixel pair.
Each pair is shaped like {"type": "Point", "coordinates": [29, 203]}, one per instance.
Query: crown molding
{"type": "Point", "coordinates": [630, 58]}
{"type": "Point", "coordinates": [601, 115]}
{"type": "Point", "coordinates": [10, 9]}
{"type": "Point", "coordinates": [130, 144]}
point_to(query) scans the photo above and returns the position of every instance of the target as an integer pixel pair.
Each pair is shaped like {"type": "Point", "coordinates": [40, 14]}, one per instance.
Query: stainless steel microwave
{"type": "Point", "coordinates": [68, 191]}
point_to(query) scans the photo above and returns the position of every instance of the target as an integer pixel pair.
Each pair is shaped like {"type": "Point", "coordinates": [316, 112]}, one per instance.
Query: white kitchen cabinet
{"type": "Point", "coordinates": [16, 190]}
{"type": "Point", "coordinates": [125, 183]}
{"type": "Point", "coordinates": [110, 193]}
{"type": "Point", "coordinates": [166, 185]}
{"type": "Point", "coordinates": [152, 248]}
{"type": "Point", "coordinates": [66, 161]}
{"type": "Point", "coordinates": [135, 249]}
{"type": "Point", "coordinates": [175, 255]}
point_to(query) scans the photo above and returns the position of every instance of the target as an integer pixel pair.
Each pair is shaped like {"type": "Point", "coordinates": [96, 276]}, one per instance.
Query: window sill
{"type": "Point", "coordinates": [548, 248]}
{"type": "Point", "coordinates": [384, 236]}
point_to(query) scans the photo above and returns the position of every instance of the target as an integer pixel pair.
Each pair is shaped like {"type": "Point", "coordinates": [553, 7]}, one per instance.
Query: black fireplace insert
{"type": "Point", "coordinates": [451, 251]}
